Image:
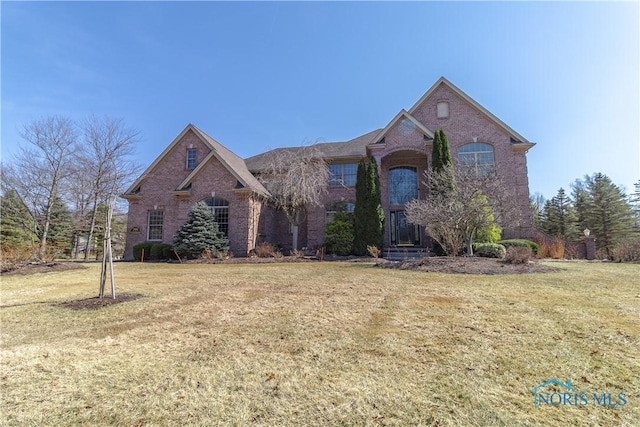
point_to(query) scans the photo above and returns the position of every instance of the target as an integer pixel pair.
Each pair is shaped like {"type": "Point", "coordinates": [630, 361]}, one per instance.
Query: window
{"type": "Point", "coordinates": [343, 174]}
{"type": "Point", "coordinates": [220, 210]}
{"type": "Point", "coordinates": [443, 110]}
{"type": "Point", "coordinates": [155, 223]}
{"type": "Point", "coordinates": [477, 156]}
{"type": "Point", "coordinates": [403, 185]}
{"type": "Point", "coordinates": [339, 207]}
{"type": "Point", "coordinates": [191, 158]}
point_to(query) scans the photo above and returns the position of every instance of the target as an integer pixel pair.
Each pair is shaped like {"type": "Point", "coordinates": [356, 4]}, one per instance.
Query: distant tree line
{"type": "Point", "coordinates": [57, 190]}
{"type": "Point", "coordinates": [595, 204]}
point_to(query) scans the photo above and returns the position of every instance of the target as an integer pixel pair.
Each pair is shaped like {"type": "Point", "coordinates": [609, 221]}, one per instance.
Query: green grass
{"type": "Point", "coordinates": [318, 344]}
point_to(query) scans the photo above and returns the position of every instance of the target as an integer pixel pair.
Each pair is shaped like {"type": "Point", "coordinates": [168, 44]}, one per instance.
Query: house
{"type": "Point", "coordinates": [195, 167]}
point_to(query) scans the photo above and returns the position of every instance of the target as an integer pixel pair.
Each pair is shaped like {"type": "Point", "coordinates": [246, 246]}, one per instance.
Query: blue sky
{"type": "Point", "coordinates": [256, 76]}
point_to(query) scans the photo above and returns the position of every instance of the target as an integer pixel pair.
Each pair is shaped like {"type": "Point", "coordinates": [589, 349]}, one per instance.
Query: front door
{"type": "Point", "coordinates": [402, 232]}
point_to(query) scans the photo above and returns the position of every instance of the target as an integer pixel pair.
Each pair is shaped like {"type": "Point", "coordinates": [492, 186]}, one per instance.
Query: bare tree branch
{"type": "Point", "coordinates": [297, 180]}
{"type": "Point", "coordinates": [475, 200]}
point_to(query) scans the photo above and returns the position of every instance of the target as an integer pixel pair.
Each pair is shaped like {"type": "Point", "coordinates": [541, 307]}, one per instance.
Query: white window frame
{"type": "Point", "coordinates": [155, 225]}
{"type": "Point", "coordinates": [194, 159]}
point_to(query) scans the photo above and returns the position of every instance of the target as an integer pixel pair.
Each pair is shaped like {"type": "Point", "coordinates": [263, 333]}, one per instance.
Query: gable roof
{"type": "Point", "coordinates": [442, 81]}
{"type": "Point", "coordinates": [403, 114]}
{"type": "Point", "coordinates": [352, 149]}
{"type": "Point", "coordinates": [234, 164]}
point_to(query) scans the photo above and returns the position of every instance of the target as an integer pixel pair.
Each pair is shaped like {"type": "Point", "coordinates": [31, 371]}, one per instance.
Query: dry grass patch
{"type": "Point", "coordinates": [318, 344]}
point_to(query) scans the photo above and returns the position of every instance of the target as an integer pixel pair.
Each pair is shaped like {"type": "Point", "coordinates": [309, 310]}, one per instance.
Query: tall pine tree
{"type": "Point", "coordinates": [559, 217]}
{"type": "Point", "coordinates": [603, 208]}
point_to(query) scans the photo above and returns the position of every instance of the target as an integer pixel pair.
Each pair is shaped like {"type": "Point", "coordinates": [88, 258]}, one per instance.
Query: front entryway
{"type": "Point", "coordinates": [402, 232]}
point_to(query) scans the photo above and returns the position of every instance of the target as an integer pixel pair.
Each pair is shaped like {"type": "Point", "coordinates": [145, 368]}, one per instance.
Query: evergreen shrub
{"type": "Point", "coordinates": [339, 234]}
{"type": "Point", "coordinates": [137, 250]}
{"type": "Point", "coordinates": [489, 250]}
{"type": "Point", "coordinates": [521, 243]}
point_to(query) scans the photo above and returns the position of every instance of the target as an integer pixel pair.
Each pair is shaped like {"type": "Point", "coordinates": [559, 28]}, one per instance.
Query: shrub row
{"type": "Point", "coordinates": [523, 243]}
{"type": "Point", "coordinates": [153, 251]}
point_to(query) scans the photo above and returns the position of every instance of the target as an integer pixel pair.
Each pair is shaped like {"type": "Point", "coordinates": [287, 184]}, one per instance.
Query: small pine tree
{"type": "Point", "coordinates": [199, 234]}
{"type": "Point", "coordinates": [17, 227]}
{"type": "Point", "coordinates": [61, 229]}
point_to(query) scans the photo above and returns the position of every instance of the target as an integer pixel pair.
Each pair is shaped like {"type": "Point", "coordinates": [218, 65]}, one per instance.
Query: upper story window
{"type": "Point", "coordinates": [477, 156]}
{"type": "Point", "coordinates": [155, 224]}
{"type": "Point", "coordinates": [191, 158]}
{"type": "Point", "coordinates": [220, 210]}
{"type": "Point", "coordinates": [442, 109]}
{"type": "Point", "coordinates": [403, 185]}
{"type": "Point", "coordinates": [343, 174]}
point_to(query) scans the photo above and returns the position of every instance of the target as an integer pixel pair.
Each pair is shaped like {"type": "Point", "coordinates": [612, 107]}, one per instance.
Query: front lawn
{"type": "Point", "coordinates": [327, 343]}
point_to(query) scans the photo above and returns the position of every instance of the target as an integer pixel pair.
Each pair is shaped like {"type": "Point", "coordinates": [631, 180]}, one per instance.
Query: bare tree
{"type": "Point", "coordinates": [297, 180]}
{"type": "Point", "coordinates": [106, 160]}
{"type": "Point", "coordinates": [475, 200]}
{"type": "Point", "coordinates": [41, 169]}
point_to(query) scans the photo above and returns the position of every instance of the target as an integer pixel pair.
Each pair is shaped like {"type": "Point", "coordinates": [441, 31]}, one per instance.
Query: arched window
{"type": "Point", "coordinates": [403, 185]}
{"type": "Point", "coordinates": [220, 210]}
{"type": "Point", "coordinates": [477, 156]}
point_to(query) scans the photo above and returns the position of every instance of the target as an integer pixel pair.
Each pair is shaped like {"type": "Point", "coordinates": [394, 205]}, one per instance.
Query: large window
{"type": "Point", "coordinates": [155, 223]}
{"type": "Point", "coordinates": [191, 158]}
{"type": "Point", "coordinates": [403, 185]}
{"type": "Point", "coordinates": [477, 156]}
{"type": "Point", "coordinates": [220, 210]}
{"type": "Point", "coordinates": [343, 174]}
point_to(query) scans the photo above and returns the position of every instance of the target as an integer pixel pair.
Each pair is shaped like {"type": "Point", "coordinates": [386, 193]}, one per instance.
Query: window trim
{"type": "Point", "coordinates": [155, 226]}
{"type": "Point", "coordinates": [224, 203]}
{"type": "Point", "coordinates": [194, 159]}
{"type": "Point", "coordinates": [340, 180]}
{"type": "Point", "coordinates": [476, 165]}
{"type": "Point", "coordinates": [417, 187]}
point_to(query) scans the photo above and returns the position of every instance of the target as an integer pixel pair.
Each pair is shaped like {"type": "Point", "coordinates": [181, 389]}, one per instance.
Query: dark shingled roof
{"type": "Point", "coordinates": [354, 148]}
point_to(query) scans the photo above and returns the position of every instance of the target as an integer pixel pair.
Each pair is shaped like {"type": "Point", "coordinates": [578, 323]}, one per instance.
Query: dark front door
{"type": "Point", "coordinates": [402, 232]}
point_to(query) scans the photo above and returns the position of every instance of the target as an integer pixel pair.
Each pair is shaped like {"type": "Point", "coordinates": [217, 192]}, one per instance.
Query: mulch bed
{"type": "Point", "coordinates": [468, 265]}
{"type": "Point", "coordinates": [96, 303]}
{"type": "Point", "coordinates": [48, 267]}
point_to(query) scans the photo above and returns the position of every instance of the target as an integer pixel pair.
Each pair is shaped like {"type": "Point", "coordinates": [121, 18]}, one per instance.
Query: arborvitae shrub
{"type": "Point", "coordinates": [137, 250]}
{"type": "Point", "coordinates": [521, 243]}
{"type": "Point", "coordinates": [489, 250]}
